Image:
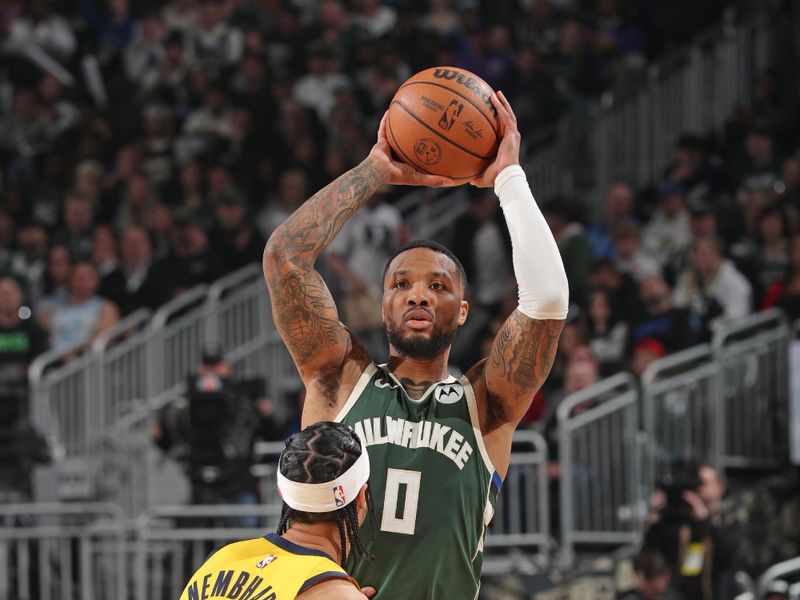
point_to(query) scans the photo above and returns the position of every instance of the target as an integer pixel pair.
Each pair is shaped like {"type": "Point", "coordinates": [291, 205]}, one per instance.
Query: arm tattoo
{"type": "Point", "coordinates": [523, 353]}
{"type": "Point", "coordinates": [312, 227]}
{"type": "Point", "coordinates": [302, 307]}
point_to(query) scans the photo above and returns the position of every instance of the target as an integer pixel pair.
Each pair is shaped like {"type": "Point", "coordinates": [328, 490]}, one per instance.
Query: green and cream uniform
{"type": "Point", "coordinates": [433, 484]}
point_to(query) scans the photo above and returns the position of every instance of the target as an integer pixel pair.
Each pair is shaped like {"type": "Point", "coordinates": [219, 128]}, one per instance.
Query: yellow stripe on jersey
{"type": "Point", "coordinates": [268, 568]}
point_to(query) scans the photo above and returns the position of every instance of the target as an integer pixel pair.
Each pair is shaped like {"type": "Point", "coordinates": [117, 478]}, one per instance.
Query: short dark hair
{"type": "Point", "coordinates": [436, 247]}
{"type": "Point", "coordinates": [650, 563]}
{"type": "Point", "coordinates": [318, 454]}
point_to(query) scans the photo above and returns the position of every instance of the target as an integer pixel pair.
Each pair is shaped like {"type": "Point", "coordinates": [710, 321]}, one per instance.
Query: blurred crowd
{"type": "Point", "coordinates": [148, 146]}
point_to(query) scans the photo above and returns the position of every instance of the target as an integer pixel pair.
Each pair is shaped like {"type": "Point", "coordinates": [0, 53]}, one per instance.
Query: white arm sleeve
{"type": "Point", "coordinates": [541, 279]}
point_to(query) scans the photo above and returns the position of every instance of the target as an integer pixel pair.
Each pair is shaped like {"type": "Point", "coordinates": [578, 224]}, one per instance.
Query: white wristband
{"type": "Point", "coordinates": [541, 279]}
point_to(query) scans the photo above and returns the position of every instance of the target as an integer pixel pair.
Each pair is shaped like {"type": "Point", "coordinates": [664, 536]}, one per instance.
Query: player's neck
{"type": "Point", "coordinates": [316, 536]}
{"type": "Point", "coordinates": [417, 375]}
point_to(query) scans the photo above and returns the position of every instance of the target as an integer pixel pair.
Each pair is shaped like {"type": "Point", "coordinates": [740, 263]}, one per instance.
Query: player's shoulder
{"type": "Point", "coordinates": [241, 550]}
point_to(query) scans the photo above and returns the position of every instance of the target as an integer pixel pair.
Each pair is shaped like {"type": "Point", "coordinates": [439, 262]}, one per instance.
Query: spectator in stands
{"type": "Point", "coordinates": [56, 280]}
{"type": "Point", "coordinates": [213, 42]}
{"type": "Point", "coordinates": [144, 57]}
{"type": "Point", "coordinates": [234, 238]}
{"type": "Point", "coordinates": [104, 251]}
{"type": "Point", "coordinates": [483, 247]}
{"type": "Point", "coordinates": [667, 234]}
{"type": "Point", "coordinates": [30, 260]}
{"type": "Point", "coordinates": [653, 578]}
{"type": "Point", "coordinates": [316, 89]}
{"type": "Point", "coordinates": [85, 314]}
{"type": "Point", "coordinates": [788, 190]}
{"type": "Point", "coordinates": [672, 327]}
{"type": "Point", "coordinates": [631, 259]}
{"type": "Point", "coordinates": [685, 528]}
{"type": "Point", "coordinates": [771, 261]}
{"type": "Point", "coordinates": [607, 332]}
{"type": "Point", "coordinates": [574, 247]}
{"type": "Point", "coordinates": [190, 261]}
{"type": "Point", "coordinates": [21, 341]}
{"type": "Point", "coordinates": [292, 192]}
{"type": "Point", "coordinates": [618, 41]}
{"type": "Point", "coordinates": [693, 169]}
{"type": "Point", "coordinates": [712, 287]}
{"type": "Point", "coordinates": [77, 232]}
{"type": "Point", "coordinates": [137, 203]}
{"type": "Point", "coordinates": [113, 27]}
{"type": "Point", "coordinates": [645, 352]}
{"type": "Point", "coordinates": [785, 293]}
{"type": "Point", "coordinates": [358, 256]}
{"type": "Point", "coordinates": [617, 207]}
{"type": "Point", "coordinates": [134, 284]}
{"type": "Point", "coordinates": [622, 287]}
{"type": "Point", "coordinates": [758, 168]}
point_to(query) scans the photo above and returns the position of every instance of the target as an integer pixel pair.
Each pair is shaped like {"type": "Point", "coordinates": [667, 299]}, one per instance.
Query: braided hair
{"type": "Point", "coordinates": [322, 452]}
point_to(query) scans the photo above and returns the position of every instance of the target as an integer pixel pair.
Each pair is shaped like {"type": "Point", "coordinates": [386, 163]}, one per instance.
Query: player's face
{"type": "Point", "coordinates": [423, 303]}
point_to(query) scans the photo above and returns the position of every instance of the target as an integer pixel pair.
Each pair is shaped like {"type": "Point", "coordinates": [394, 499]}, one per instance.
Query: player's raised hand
{"type": "Point", "coordinates": [508, 152]}
{"type": "Point", "coordinates": [398, 173]}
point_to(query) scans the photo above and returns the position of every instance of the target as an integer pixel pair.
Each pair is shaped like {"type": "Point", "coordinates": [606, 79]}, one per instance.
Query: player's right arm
{"type": "Point", "coordinates": [302, 307]}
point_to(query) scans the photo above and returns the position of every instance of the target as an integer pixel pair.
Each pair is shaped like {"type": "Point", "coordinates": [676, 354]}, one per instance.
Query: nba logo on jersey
{"type": "Point", "coordinates": [338, 496]}
{"type": "Point", "coordinates": [267, 560]}
{"type": "Point", "coordinates": [449, 393]}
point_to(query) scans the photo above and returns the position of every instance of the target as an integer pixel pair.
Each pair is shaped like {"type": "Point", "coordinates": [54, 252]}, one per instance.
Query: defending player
{"type": "Point", "coordinates": [322, 476]}
{"type": "Point", "coordinates": [439, 446]}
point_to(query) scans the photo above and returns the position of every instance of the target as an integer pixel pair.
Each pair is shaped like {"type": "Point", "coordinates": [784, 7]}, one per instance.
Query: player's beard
{"type": "Point", "coordinates": [417, 345]}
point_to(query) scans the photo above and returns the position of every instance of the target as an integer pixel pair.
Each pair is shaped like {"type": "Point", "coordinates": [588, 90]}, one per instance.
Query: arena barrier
{"type": "Point", "coordinates": [753, 354]}
{"type": "Point", "coordinates": [62, 552]}
{"type": "Point", "coordinates": [85, 398]}
{"type": "Point", "coordinates": [681, 397]}
{"type": "Point", "coordinates": [522, 513]}
{"type": "Point", "coordinates": [788, 571]}
{"type": "Point", "coordinates": [238, 307]}
{"type": "Point", "coordinates": [601, 459]}
{"type": "Point", "coordinates": [172, 542]}
{"type": "Point", "coordinates": [62, 393]}
{"type": "Point", "coordinates": [122, 367]}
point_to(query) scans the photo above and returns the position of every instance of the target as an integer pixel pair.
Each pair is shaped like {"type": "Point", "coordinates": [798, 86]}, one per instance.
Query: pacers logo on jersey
{"type": "Point", "coordinates": [449, 393]}
{"type": "Point", "coordinates": [338, 496]}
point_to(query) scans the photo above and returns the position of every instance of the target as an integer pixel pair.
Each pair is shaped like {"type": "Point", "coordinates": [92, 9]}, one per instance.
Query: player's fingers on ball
{"type": "Point", "coordinates": [382, 127]}
{"type": "Point", "coordinates": [507, 105]}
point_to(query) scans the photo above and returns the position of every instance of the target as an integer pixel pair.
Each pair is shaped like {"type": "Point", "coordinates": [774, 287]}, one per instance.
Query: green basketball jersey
{"type": "Point", "coordinates": [433, 484]}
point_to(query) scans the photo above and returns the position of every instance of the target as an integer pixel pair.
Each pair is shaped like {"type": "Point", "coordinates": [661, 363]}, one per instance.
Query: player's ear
{"type": "Point", "coordinates": [361, 503]}
{"type": "Point", "coordinates": [463, 311]}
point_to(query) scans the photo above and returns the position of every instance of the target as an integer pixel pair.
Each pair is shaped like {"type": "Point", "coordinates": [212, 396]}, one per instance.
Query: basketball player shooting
{"type": "Point", "coordinates": [439, 447]}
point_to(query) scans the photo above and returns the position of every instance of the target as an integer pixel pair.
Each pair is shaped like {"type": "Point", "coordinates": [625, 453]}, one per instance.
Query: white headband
{"type": "Point", "coordinates": [326, 497]}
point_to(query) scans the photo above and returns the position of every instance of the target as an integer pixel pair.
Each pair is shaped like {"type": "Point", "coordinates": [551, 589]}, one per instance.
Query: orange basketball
{"type": "Point", "coordinates": [442, 122]}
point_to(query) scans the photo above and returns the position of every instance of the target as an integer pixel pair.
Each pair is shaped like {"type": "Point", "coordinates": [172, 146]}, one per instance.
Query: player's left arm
{"type": "Point", "coordinates": [524, 349]}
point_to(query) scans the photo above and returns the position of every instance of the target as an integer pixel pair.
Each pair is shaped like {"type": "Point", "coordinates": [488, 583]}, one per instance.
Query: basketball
{"type": "Point", "coordinates": [442, 122]}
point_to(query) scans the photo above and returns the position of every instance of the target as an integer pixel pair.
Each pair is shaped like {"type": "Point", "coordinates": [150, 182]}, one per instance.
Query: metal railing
{"type": "Point", "coordinates": [522, 512]}
{"type": "Point", "coordinates": [94, 401]}
{"type": "Point", "coordinates": [601, 466]}
{"type": "Point", "coordinates": [787, 570]}
{"type": "Point", "coordinates": [681, 397]}
{"type": "Point", "coordinates": [752, 353]}
{"type": "Point", "coordinates": [62, 551]}
{"type": "Point", "coordinates": [172, 542]}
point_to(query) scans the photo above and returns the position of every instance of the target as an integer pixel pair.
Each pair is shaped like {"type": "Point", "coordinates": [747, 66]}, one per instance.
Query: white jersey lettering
{"type": "Point", "coordinates": [424, 435]}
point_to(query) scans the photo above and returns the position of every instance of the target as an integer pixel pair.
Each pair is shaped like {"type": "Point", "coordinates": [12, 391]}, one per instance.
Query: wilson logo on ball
{"type": "Point", "coordinates": [427, 151]}
{"type": "Point", "coordinates": [467, 82]}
